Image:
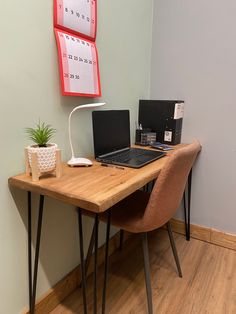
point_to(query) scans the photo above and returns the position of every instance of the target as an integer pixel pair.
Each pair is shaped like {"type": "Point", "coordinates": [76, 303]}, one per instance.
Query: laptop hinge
{"type": "Point", "coordinates": [113, 153]}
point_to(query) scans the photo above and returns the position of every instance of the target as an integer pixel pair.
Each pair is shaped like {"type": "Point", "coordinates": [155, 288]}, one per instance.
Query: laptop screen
{"type": "Point", "coordinates": [111, 131]}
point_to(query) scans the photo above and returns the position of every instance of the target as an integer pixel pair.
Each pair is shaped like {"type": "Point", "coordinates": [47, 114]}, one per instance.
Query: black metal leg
{"type": "Point", "coordinates": [152, 184]}
{"type": "Point", "coordinates": [106, 262]}
{"type": "Point", "coordinates": [185, 216]}
{"type": "Point", "coordinates": [149, 186]}
{"type": "Point", "coordinates": [172, 242]}
{"type": "Point", "coordinates": [189, 201]}
{"type": "Point", "coordinates": [147, 271]}
{"type": "Point", "coordinates": [187, 210]}
{"type": "Point", "coordinates": [33, 284]}
{"type": "Point", "coordinates": [29, 251]}
{"type": "Point", "coordinates": [95, 264]}
{"type": "Point", "coordinates": [90, 250]}
{"type": "Point", "coordinates": [121, 239]}
{"type": "Point", "coordinates": [82, 260]}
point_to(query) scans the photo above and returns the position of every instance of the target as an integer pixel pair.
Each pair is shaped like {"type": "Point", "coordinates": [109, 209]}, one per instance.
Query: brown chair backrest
{"type": "Point", "coordinates": [169, 187]}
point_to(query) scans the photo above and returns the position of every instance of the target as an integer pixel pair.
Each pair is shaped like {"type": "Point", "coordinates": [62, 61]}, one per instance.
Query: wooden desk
{"type": "Point", "coordinates": [95, 189]}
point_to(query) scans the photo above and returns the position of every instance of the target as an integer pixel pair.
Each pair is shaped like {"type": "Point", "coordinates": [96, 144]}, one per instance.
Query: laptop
{"type": "Point", "coordinates": [111, 135]}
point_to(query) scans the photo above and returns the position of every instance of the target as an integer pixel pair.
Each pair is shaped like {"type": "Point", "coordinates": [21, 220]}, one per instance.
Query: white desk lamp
{"type": "Point", "coordinates": [75, 161]}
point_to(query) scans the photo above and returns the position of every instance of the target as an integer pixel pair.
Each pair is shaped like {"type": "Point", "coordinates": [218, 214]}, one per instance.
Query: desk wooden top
{"type": "Point", "coordinates": [93, 188]}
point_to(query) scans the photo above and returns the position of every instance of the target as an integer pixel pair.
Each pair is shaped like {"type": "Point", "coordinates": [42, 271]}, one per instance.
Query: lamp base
{"type": "Point", "coordinates": [79, 162]}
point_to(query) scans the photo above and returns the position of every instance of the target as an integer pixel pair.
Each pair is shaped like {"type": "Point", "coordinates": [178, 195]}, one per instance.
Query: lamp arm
{"type": "Point", "coordinates": [69, 129]}
{"type": "Point", "coordinates": [93, 105]}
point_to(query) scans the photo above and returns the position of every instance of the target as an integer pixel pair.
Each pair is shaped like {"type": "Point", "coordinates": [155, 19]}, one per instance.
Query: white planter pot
{"type": "Point", "coordinates": [46, 156]}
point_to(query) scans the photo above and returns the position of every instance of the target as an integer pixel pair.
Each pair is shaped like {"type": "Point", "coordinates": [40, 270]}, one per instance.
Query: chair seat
{"type": "Point", "coordinates": [128, 214]}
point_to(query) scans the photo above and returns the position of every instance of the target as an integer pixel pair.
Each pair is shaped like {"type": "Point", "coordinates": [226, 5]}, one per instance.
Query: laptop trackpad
{"type": "Point", "coordinates": [138, 160]}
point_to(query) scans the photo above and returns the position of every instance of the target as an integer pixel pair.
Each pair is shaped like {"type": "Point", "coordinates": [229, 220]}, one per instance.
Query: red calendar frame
{"type": "Point", "coordinates": [61, 69]}
{"type": "Point", "coordinates": [66, 29]}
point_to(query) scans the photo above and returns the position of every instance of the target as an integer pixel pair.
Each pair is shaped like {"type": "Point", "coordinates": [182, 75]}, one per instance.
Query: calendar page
{"type": "Point", "coordinates": [77, 16]}
{"type": "Point", "coordinates": [78, 62]}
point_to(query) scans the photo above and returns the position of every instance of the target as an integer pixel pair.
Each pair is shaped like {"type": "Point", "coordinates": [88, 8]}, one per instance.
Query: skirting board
{"type": "Point", "coordinates": [206, 234]}
{"type": "Point", "coordinates": [70, 282]}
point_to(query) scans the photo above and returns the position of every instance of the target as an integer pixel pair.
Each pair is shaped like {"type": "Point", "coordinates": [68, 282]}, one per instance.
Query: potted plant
{"type": "Point", "coordinates": [46, 152]}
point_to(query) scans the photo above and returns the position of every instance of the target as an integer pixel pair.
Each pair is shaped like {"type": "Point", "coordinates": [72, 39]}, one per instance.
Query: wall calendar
{"type": "Point", "coordinates": [75, 23]}
{"type": "Point", "coordinates": [77, 16]}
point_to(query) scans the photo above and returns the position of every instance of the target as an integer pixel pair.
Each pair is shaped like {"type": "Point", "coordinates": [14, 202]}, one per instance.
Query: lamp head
{"type": "Point", "coordinates": [93, 105]}
{"type": "Point", "coordinates": [73, 162]}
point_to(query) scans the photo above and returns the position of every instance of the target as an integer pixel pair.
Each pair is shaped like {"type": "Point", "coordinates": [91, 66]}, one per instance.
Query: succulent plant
{"type": "Point", "coordinates": [41, 134]}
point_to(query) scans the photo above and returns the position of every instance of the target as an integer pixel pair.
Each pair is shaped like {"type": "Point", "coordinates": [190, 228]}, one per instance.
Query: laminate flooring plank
{"type": "Point", "coordinates": [208, 285]}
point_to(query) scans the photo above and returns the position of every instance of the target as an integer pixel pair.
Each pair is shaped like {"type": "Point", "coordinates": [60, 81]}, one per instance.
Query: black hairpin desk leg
{"type": "Point", "coordinates": [90, 249]}
{"type": "Point", "coordinates": [106, 261]}
{"type": "Point", "coordinates": [187, 210]}
{"type": "Point", "coordinates": [95, 264]}
{"type": "Point", "coordinates": [33, 284]}
{"type": "Point", "coordinates": [85, 262]}
{"type": "Point", "coordinates": [89, 252]}
{"type": "Point", "coordinates": [82, 263]}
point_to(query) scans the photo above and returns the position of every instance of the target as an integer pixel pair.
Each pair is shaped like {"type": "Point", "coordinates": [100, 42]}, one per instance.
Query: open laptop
{"type": "Point", "coordinates": [111, 135]}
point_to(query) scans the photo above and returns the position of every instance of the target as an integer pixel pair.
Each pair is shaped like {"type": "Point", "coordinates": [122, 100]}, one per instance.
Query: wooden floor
{"type": "Point", "coordinates": [208, 284]}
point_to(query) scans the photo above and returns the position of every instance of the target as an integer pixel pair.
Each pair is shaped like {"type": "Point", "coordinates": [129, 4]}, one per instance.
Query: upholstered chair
{"type": "Point", "coordinates": [142, 212]}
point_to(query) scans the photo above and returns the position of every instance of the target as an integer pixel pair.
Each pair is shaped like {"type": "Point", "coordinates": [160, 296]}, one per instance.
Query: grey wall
{"type": "Point", "coordinates": [193, 58]}
{"type": "Point", "coordinates": [29, 90]}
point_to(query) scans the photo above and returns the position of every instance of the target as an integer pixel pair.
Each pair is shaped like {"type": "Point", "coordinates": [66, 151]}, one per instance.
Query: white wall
{"type": "Point", "coordinates": [29, 90]}
{"type": "Point", "coordinates": [193, 58]}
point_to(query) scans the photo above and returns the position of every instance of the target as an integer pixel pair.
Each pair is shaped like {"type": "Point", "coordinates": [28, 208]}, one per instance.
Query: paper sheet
{"type": "Point", "coordinates": [78, 61]}
{"type": "Point", "coordinates": [76, 16]}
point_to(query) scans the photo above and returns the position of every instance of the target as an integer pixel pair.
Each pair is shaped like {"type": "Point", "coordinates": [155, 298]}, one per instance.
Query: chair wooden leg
{"type": "Point", "coordinates": [147, 271]}
{"type": "Point", "coordinates": [172, 242]}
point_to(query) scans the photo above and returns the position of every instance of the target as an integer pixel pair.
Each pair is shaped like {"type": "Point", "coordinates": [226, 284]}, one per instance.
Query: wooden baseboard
{"type": "Point", "coordinates": [70, 282]}
{"type": "Point", "coordinates": [206, 234]}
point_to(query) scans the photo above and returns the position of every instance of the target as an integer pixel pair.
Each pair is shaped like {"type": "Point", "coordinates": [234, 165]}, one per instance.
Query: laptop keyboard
{"type": "Point", "coordinates": [130, 154]}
